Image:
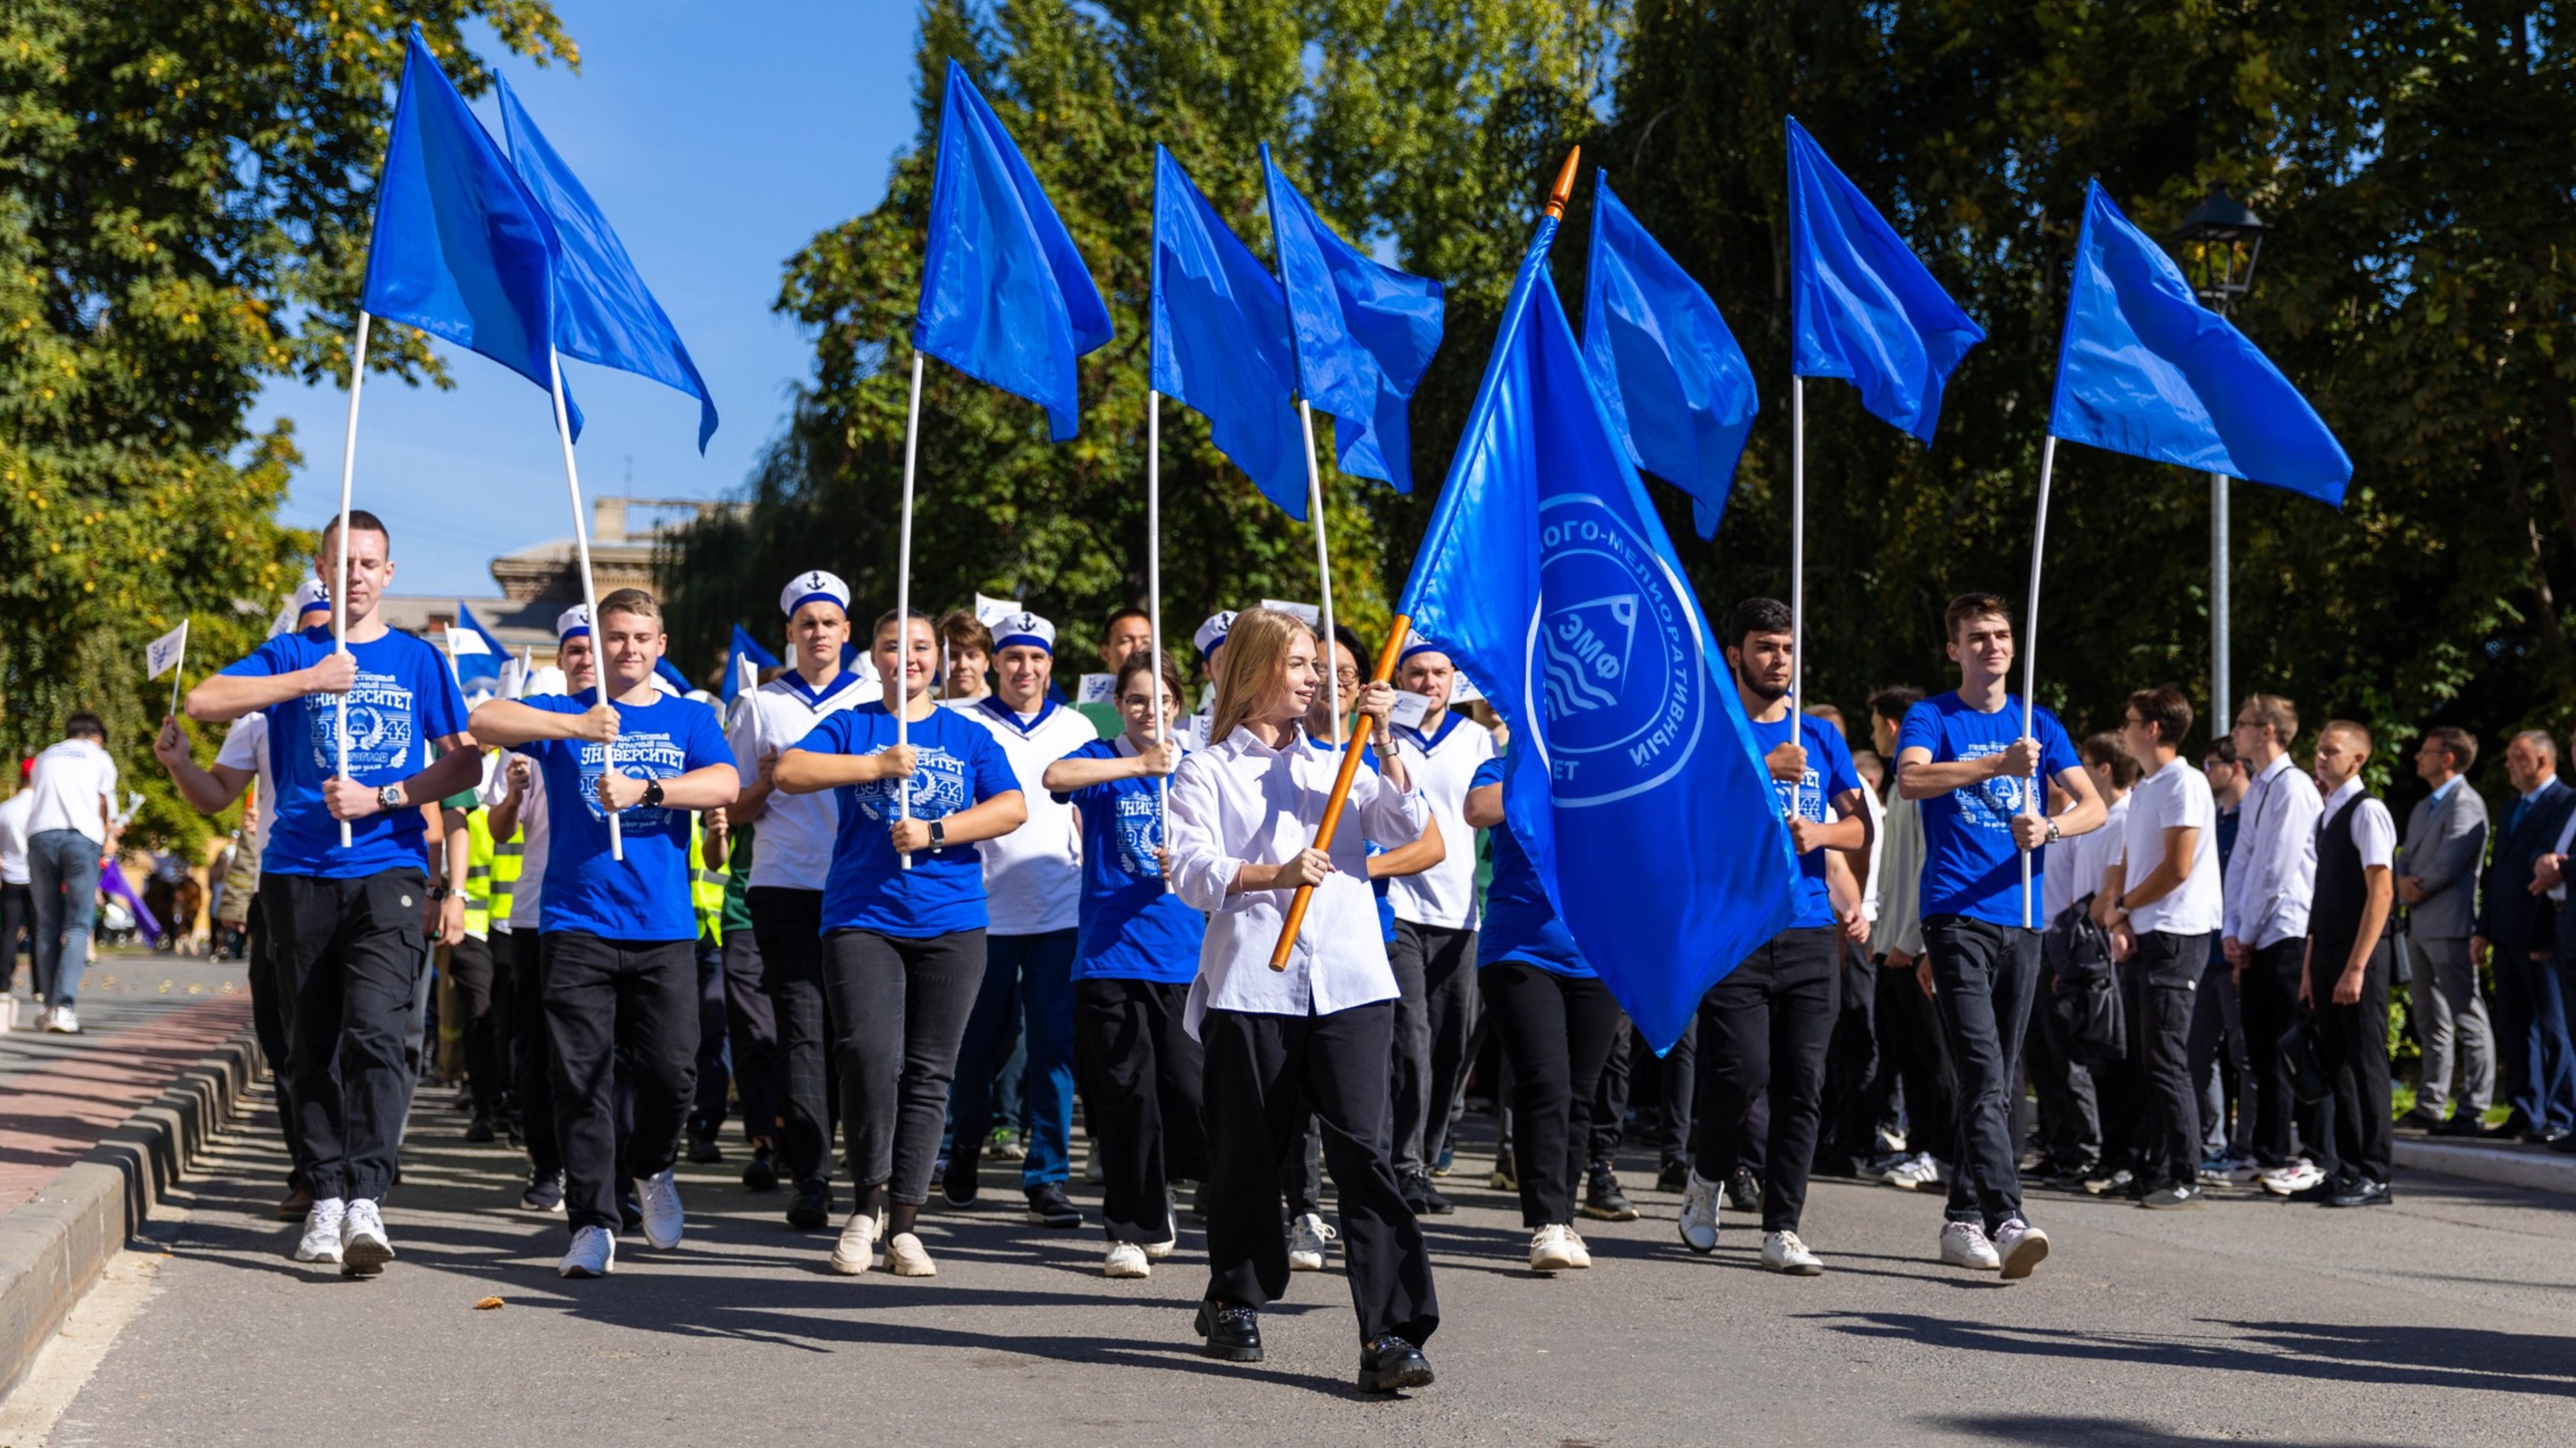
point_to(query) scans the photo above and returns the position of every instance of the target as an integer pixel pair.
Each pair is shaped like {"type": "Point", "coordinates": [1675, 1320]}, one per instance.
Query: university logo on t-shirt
{"type": "Point", "coordinates": [1989, 804]}
{"type": "Point", "coordinates": [1804, 800]}
{"type": "Point", "coordinates": [1140, 834]}
{"type": "Point", "coordinates": [640, 754]}
{"type": "Point", "coordinates": [1620, 671]}
{"type": "Point", "coordinates": [939, 789]}
{"type": "Point", "coordinates": [380, 726]}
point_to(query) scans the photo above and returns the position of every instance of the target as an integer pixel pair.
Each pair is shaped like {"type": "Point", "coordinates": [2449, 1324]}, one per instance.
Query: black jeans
{"type": "Point", "coordinates": [2070, 1101]}
{"type": "Point", "coordinates": [1766, 1027]}
{"type": "Point", "coordinates": [2161, 981]}
{"type": "Point", "coordinates": [348, 957]}
{"type": "Point", "coordinates": [2269, 998]}
{"type": "Point", "coordinates": [2220, 1069]}
{"type": "Point", "coordinates": [533, 1044]}
{"type": "Point", "coordinates": [2352, 1046]}
{"type": "Point", "coordinates": [707, 1112]}
{"type": "Point", "coordinates": [1435, 1019]}
{"type": "Point", "coordinates": [1556, 1031]}
{"type": "Point", "coordinates": [1853, 1104]}
{"type": "Point", "coordinates": [613, 1002]}
{"type": "Point", "coordinates": [751, 1024]}
{"type": "Point", "coordinates": [17, 923]}
{"type": "Point", "coordinates": [1914, 1047]}
{"type": "Point", "coordinates": [1264, 1075]}
{"type": "Point", "coordinates": [1141, 1077]}
{"type": "Point", "coordinates": [789, 924]}
{"type": "Point", "coordinates": [268, 1008]}
{"type": "Point", "coordinates": [899, 1009]}
{"type": "Point", "coordinates": [469, 962]}
{"type": "Point", "coordinates": [1670, 1084]}
{"type": "Point", "coordinates": [1983, 975]}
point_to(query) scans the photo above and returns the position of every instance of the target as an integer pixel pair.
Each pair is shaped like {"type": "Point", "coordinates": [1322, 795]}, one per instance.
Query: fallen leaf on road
{"type": "Point", "coordinates": [487, 1304]}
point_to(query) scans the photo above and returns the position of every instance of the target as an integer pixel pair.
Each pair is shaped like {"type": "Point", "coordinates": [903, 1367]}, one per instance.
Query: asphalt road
{"type": "Point", "coordinates": [2449, 1317]}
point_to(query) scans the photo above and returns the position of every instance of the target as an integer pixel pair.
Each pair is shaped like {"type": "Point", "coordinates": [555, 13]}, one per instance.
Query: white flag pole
{"type": "Point", "coordinates": [340, 568]}
{"type": "Point", "coordinates": [181, 672]}
{"type": "Point", "coordinates": [2030, 656]}
{"type": "Point", "coordinates": [589, 591]}
{"type": "Point", "coordinates": [1323, 567]}
{"type": "Point", "coordinates": [903, 600]}
{"type": "Point", "coordinates": [1154, 602]}
{"type": "Point", "coordinates": [1797, 563]}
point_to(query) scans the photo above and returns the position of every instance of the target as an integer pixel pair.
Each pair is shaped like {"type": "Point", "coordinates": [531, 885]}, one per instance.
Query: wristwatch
{"type": "Point", "coordinates": [439, 892]}
{"type": "Point", "coordinates": [652, 792]}
{"type": "Point", "coordinates": [939, 834]}
{"type": "Point", "coordinates": [390, 797]}
{"type": "Point", "coordinates": [2052, 832]}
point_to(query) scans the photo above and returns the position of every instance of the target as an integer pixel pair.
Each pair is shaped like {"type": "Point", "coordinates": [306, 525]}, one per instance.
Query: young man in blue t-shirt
{"type": "Point", "coordinates": [619, 929]}
{"type": "Point", "coordinates": [345, 922]}
{"type": "Point", "coordinates": [1765, 1026]}
{"type": "Point", "coordinates": [1968, 758]}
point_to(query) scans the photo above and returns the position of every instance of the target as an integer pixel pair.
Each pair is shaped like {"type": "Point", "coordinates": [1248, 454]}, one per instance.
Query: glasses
{"type": "Point", "coordinates": [1347, 676]}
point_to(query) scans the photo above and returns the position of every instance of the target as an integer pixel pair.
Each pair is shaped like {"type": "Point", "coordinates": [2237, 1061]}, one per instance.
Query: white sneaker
{"type": "Point", "coordinates": [2298, 1176]}
{"type": "Point", "coordinates": [593, 1254]}
{"type": "Point", "coordinates": [1548, 1251]}
{"type": "Point", "coordinates": [1306, 1238]}
{"type": "Point", "coordinates": [364, 1247]}
{"type": "Point", "coordinates": [61, 1021]}
{"type": "Point", "coordinates": [1157, 1251]}
{"type": "Point", "coordinates": [663, 1219]}
{"type": "Point", "coordinates": [1783, 1252]}
{"type": "Point", "coordinates": [1126, 1259]}
{"type": "Point", "coordinates": [906, 1257]}
{"type": "Point", "coordinates": [1698, 1219]}
{"type": "Point", "coordinates": [2021, 1247]}
{"type": "Point", "coordinates": [321, 1239]}
{"type": "Point", "coordinates": [1574, 1248]}
{"type": "Point", "coordinates": [856, 1252]}
{"type": "Point", "coordinates": [1964, 1244]}
{"type": "Point", "coordinates": [1910, 1173]}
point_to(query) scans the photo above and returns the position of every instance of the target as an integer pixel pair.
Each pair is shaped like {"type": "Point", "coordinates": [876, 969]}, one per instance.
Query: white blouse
{"type": "Point", "coordinates": [1240, 802]}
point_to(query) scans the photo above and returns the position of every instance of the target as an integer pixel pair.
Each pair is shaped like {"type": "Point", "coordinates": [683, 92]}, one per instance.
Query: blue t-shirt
{"type": "Point", "coordinates": [404, 698]}
{"type": "Point", "coordinates": [957, 766]}
{"type": "Point", "coordinates": [646, 895]}
{"type": "Point", "coordinates": [1385, 903]}
{"type": "Point", "coordinates": [1132, 928]}
{"type": "Point", "coordinates": [1519, 924]}
{"type": "Point", "coordinates": [1829, 776]}
{"type": "Point", "coordinates": [1971, 866]}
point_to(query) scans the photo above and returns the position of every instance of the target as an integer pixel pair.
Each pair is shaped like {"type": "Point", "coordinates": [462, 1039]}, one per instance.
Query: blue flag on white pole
{"type": "Point", "coordinates": [1674, 384]}
{"type": "Point", "coordinates": [1634, 783]}
{"type": "Point", "coordinates": [466, 620]}
{"type": "Point", "coordinates": [1220, 330]}
{"type": "Point", "coordinates": [745, 650]}
{"type": "Point", "coordinates": [1862, 306]}
{"type": "Point", "coordinates": [1364, 335]}
{"type": "Point", "coordinates": [1005, 297]}
{"type": "Point", "coordinates": [2145, 369]}
{"type": "Point", "coordinates": [603, 311]}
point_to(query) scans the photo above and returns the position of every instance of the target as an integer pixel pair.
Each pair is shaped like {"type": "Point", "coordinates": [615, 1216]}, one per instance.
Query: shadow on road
{"type": "Point", "coordinates": [2097, 1432]}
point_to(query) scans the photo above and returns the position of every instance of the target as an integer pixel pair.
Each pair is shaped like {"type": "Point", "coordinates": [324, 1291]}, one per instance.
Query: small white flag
{"type": "Point", "coordinates": [1410, 709]}
{"type": "Point", "coordinates": [166, 652]}
{"type": "Point", "coordinates": [990, 611]}
{"type": "Point", "coordinates": [1099, 689]}
{"type": "Point", "coordinates": [1463, 690]}
{"type": "Point", "coordinates": [463, 641]}
{"type": "Point", "coordinates": [1313, 616]}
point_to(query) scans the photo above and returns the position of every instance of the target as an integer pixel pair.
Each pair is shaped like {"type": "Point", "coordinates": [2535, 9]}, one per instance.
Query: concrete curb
{"type": "Point", "coordinates": [53, 1246]}
{"type": "Point", "coordinates": [2539, 1171]}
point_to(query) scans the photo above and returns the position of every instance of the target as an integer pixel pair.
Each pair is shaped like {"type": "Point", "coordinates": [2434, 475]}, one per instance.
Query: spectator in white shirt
{"type": "Point", "coordinates": [68, 823]}
{"type": "Point", "coordinates": [2271, 874]}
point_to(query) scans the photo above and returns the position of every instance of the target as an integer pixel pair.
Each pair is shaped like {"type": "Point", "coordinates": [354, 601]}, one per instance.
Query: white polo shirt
{"type": "Point", "coordinates": [1033, 875]}
{"type": "Point", "coordinates": [245, 746]}
{"type": "Point", "coordinates": [13, 838]}
{"type": "Point", "coordinates": [796, 830]}
{"type": "Point", "coordinates": [527, 897]}
{"type": "Point", "coordinates": [2174, 797]}
{"type": "Point", "coordinates": [71, 781]}
{"type": "Point", "coordinates": [1442, 764]}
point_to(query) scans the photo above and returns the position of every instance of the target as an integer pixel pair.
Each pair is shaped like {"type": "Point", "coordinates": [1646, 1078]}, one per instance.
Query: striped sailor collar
{"type": "Point", "coordinates": [1450, 719]}
{"type": "Point", "coordinates": [812, 697]}
{"type": "Point", "coordinates": [992, 706]}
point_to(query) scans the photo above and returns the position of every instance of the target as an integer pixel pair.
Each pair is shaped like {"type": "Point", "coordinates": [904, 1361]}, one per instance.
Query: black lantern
{"type": "Point", "coordinates": [2227, 238]}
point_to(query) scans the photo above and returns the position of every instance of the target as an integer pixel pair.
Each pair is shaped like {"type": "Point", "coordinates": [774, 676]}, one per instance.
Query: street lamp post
{"type": "Point", "coordinates": [2229, 238]}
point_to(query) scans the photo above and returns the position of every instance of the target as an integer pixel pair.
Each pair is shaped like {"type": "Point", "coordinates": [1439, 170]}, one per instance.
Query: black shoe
{"type": "Point", "coordinates": [2422, 1118]}
{"type": "Point", "coordinates": [704, 1151]}
{"type": "Point", "coordinates": [1233, 1333]}
{"type": "Point", "coordinates": [760, 1174]}
{"type": "Point", "coordinates": [2513, 1126]}
{"type": "Point", "coordinates": [1743, 1193]}
{"type": "Point", "coordinates": [544, 1194]}
{"type": "Point", "coordinates": [479, 1130]}
{"type": "Point", "coordinates": [812, 1207]}
{"type": "Point", "coordinates": [2463, 1122]}
{"type": "Point", "coordinates": [2325, 1190]}
{"type": "Point", "coordinates": [1422, 1198]}
{"type": "Point", "coordinates": [1050, 1207]}
{"type": "Point", "coordinates": [2549, 1136]}
{"type": "Point", "coordinates": [1391, 1364]}
{"type": "Point", "coordinates": [1199, 1200]}
{"type": "Point", "coordinates": [957, 1184]}
{"type": "Point", "coordinates": [2361, 1192]}
{"type": "Point", "coordinates": [1602, 1199]}
{"type": "Point", "coordinates": [1673, 1176]}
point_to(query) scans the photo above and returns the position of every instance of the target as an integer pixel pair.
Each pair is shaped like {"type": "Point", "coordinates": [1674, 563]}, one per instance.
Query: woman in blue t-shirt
{"type": "Point", "coordinates": [1556, 1022]}
{"type": "Point", "coordinates": [903, 925]}
{"type": "Point", "coordinates": [1139, 949]}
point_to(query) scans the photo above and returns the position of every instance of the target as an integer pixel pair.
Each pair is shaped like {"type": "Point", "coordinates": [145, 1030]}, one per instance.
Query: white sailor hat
{"type": "Point", "coordinates": [312, 597]}
{"type": "Point", "coordinates": [1024, 629]}
{"type": "Point", "coordinates": [572, 623]}
{"type": "Point", "coordinates": [1420, 645]}
{"type": "Point", "coordinates": [804, 588]}
{"type": "Point", "coordinates": [1211, 634]}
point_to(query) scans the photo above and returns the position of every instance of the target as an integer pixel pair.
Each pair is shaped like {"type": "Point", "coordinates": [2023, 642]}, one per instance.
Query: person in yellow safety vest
{"type": "Point", "coordinates": [470, 968]}
{"type": "Point", "coordinates": [506, 858]}
{"type": "Point", "coordinates": [709, 841]}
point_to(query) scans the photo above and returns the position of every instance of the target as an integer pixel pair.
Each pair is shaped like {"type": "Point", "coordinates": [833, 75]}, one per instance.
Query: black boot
{"type": "Point", "coordinates": [1233, 1333]}
{"type": "Point", "coordinates": [1390, 1364]}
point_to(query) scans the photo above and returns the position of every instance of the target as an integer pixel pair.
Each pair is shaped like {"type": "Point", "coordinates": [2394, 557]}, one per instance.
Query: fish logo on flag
{"type": "Point", "coordinates": [164, 653]}
{"type": "Point", "coordinates": [1627, 693]}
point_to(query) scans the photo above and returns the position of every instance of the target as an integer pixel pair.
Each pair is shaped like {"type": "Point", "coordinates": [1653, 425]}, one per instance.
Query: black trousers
{"type": "Point", "coordinates": [348, 958]}
{"type": "Point", "coordinates": [2161, 981]}
{"type": "Point", "coordinates": [1765, 1028]}
{"type": "Point", "coordinates": [899, 1009]}
{"type": "Point", "coordinates": [1264, 1073]}
{"type": "Point", "coordinates": [2352, 1046]}
{"type": "Point", "coordinates": [2269, 998]}
{"type": "Point", "coordinates": [2069, 1092]}
{"type": "Point", "coordinates": [789, 925]}
{"type": "Point", "coordinates": [2220, 1068]}
{"type": "Point", "coordinates": [607, 1002]}
{"type": "Point", "coordinates": [1670, 1086]}
{"type": "Point", "coordinates": [1983, 976]}
{"type": "Point", "coordinates": [18, 922]}
{"type": "Point", "coordinates": [1435, 1022]}
{"type": "Point", "coordinates": [1141, 1075]}
{"type": "Point", "coordinates": [1853, 1104]}
{"type": "Point", "coordinates": [1556, 1031]}
{"type": "Point", "coordinates": [751, 1030]}
{"type": "Point", "coordinates": [707, 1112]}
{"type": "Point", "coordinates": [469, 962]}
{"type": "Point", "coordinates": [1916, 1049]}
{"type": "Point", "coordinates": [268, 1007]}
{"type": "Point", "coordinates": [533, 1045]}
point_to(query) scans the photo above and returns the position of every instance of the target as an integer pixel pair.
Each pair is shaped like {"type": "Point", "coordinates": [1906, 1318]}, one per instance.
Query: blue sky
{"type": "Point", "coordinates": [718, 139]}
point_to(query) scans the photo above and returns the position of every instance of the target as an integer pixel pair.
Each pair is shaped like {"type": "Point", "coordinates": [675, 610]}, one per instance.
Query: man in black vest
{"type": "Point", "coordinates": [2346, 984]}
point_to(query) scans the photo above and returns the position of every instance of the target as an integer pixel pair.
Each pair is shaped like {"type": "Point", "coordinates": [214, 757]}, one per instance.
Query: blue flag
{"type": "Point", "coordinates": [1005, 297]}
{"type": "Point", "coordinates": [1364, 333]}
{"type": "Point", "coordinates": [744, 647]}
{"type": "Point", "coordinates": [603, 311]}
{"type": "Point", "coordinates": [2145, 369]}
{"type": "Point", "coordinates": [1634, 781]}
{"type": "Point", "coordinates": [466, 620]}
{"type": "Point", "coordinates": [670, 674]}
{"type": "Point", "coordinates": [461, 250]}
{"type": "Point", "coordinates": [1862, 307]}
{"type": "Point", "coordinates": [1220, 327]}
{"type": "Point", "coordinates": [1676, 388]}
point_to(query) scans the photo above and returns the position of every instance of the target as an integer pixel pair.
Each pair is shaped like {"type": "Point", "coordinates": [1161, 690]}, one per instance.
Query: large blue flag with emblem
{"type": "Point", "coordinates": [2143, 368]}
{"type": "Point", "coordinates": [1364, 331]}
{"type": "Point", "coordinates": [1005, 296]}
{"type": "Point", "coordinates": [1634, 782]}
{"type": "Point", "coordinates": [1220, 327]}
{"type": "Point", "coordinates": [1861, 305]}
{"type": "Point", "coordinates": [1676, 387]}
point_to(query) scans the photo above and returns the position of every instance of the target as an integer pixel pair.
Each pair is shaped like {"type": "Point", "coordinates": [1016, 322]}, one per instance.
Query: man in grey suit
{"type": "Point", "coordinates": [2446, 842]}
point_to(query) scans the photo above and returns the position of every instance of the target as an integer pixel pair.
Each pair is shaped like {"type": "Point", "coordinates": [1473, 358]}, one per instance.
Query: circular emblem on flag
{"type": "Point", "coordinates": [1614, 657]}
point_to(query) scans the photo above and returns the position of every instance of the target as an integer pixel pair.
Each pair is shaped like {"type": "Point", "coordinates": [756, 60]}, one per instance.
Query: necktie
{"type": "Point", "coordinates": [2513, 820]}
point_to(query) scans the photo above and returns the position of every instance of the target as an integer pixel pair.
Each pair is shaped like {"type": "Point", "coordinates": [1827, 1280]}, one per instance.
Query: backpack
{"type": "Point", "coordinates": [2083, 986]}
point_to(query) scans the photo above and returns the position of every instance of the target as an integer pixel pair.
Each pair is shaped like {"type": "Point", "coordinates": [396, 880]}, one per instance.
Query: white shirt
{"type": "Point", "coordinates": [1442, 765]}
{"type": "Point", "coordinates": [245, 746]}
{"type": "Point", "coordinates": [796, 830]}
{"type": "Point", "coordinates": [72, 780]}
{"type": "Point", "coordinates": [527, 897]}
{"type": "Point", "coordinates": [2078, 872]}
{"type": "Point", "coordinates": [2374, 830]}
{"type": "Point", "coordinates": [13, 838]}
{"type": "Point", "coordinates": [1033, 875]}
{"type": "Point", "coordinates": [2174, 797]}
{"type": "Point", "coordinates": [1241, 802]}
{"type": "Point", "coordinates": [1877, 852]}
{"type": "Point", "coordinates": [2272, 872]}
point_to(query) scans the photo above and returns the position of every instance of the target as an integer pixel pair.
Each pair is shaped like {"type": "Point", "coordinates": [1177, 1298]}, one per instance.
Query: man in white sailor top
{"type": "Point", "coordinates": [1209, 639]}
